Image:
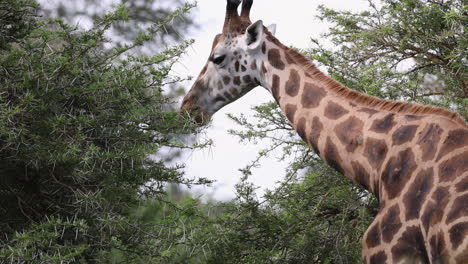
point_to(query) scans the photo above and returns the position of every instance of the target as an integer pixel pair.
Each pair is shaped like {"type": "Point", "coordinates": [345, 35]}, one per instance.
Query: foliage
{"type": "Point", "coordinates": [78, 124]}
{"type": "Point", "coordinates": [315, 219]}
{"type": "Point", "coordinates": [143, 13]}
{"type": "Point", "coordinates": [412, 50]}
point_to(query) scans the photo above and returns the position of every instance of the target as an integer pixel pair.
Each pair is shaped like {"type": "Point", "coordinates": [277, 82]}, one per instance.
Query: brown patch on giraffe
{"type": "Point", "coordinates": [274, 57]}
{"type": "Point", "coordinates": [290, 111]}
{"type": "Point", "coordinates": [361, 175]}
{"type": "Point", "coordinates": [410, 247]}
{"type": "Point", "coordinates": [459, 209]}
{"type": "Point", "coordinates": [369, 111]}
{"type": "Point", "coordinates": [456, 139]}
{"type": "Point", "coordinates": [398, 172]}
{"type": "Point", "coordinates": [332, 156]}
{"type": "Point", "coordinates": [334, 111]}
{"type": "Point", "coordinates": [434, 210]}
{"type": "Point", "coordinates": [452, 168]}
{"type": "Point", "coordinates": [417, 193]}
{"type": "Point", "coordinates": [264, 47]}
{"type": "Point", "coordinates": [226, 80]}
{"type": "Point", "coordinates": [301, 128]}
{"type": "Point", "coordinates": [312, 95]}
{"type": "Point", "coordinates": [440, 196]}
{"type": "Point", "coordinates": [438, 248]}
{"type": "Point", "coordinates": [293, 83]}
{"type": "Point", "coordinates": [237, 80]}
{"type": "Point", "coordinates": [275, 86]}
{"type": "Point", "coordinates": [247, 79]}
{"type": "Point", "coordinates": [383, 125]}
{"type": "Point", "coordinates": [236, 66]}
{"type": "Point", "coordinates": [404, 134]}
{"type": "Point", "coordinates": [349, 133]}
{"type": "Point", "coordinates": [234, 91]}
{"type": "Point", "coordinates": [373, 238]}
{"type": "Point", "coordinates": [462, 186]}
{"type": "Point", "coordinates": [316, 130]}
{"type": "Point", "coordinates": [391, 223]}
{"type": "Point", "coordinates": [243, 68]}
{"type": "Point", "coordinates": [253, 66]}
{"type": "Point", "coordinates": [378, 258]}
{"type": "Point", "coordinates": [375, 151]}
{"type": "Point", "coordinates": [429, 140]}
{"type": "Point", "coordinates": [458, 233]}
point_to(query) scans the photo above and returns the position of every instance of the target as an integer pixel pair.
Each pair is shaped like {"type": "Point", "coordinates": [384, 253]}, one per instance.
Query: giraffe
{"type": "Point", "coordinates": [414, 158]}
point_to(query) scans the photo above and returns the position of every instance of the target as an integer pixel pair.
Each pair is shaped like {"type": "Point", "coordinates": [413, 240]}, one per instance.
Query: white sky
{"type": "Point", "coordinates": [296, 23]}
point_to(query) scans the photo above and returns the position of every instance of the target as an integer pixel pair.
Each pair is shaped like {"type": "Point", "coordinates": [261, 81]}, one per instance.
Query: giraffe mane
{"type": "Point", "coordinates": [363, 99]}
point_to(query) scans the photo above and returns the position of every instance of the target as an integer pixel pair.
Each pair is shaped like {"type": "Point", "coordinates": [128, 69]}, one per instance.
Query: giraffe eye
{"type": "Point", "coordinates": [219, 59]}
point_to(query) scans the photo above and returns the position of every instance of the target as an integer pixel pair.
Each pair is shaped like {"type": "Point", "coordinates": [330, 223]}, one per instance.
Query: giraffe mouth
{"type": "Point", "coordinates": [202, 118]}
{"type": "Point", "coordinates": [196, 114]}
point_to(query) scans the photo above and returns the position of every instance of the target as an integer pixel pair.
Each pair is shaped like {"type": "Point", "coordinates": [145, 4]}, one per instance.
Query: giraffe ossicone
{"type": "Point", "coordinates": [414, 158]}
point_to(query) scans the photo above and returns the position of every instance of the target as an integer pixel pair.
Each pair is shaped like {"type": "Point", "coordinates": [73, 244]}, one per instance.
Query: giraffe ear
{"type": "Point", "coordinates": [272, 29]}
{"type": "Point", "coordinates": [254, 35]}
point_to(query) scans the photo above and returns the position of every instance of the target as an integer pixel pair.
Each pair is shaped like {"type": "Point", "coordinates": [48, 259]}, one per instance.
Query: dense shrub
{"type": "Point", "coordinates": [78, 123]}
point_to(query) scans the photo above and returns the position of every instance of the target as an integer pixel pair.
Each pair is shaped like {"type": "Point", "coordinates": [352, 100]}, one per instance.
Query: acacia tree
{"type": "Point", "coordinates": [78, 124]}
{"type": "Point", "coordinates": [412, 50]}
{"type": "Point", "coordinates": [144, 13]}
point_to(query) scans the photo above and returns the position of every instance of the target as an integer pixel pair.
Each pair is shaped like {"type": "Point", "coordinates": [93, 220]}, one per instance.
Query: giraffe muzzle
{"type": "Point", "coordinates": [194, 112]}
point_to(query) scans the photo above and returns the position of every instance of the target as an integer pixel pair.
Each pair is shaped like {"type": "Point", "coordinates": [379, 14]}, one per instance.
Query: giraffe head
{"type": "Point", "coordinates": [232, 68]}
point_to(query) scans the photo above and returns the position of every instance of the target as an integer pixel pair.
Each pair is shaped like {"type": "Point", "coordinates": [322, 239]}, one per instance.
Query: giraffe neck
{"type": "Point", "coordinates": [359, 136]}
{"type": "Point", "coordinates": [329, 124]}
